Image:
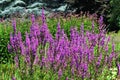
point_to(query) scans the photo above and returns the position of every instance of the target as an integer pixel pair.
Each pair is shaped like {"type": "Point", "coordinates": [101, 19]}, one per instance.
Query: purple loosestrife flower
{"type": "Point", "coordinates": [16, 61]}
{"type": "Point", "coordinates": [33, 46]}
{"type": "Point", "coordinates": [27, 59]}
{"type": "Point", "coordinates": [102, 41]}
{"type": "Point", "coordinates": [12, 40]}
{"type": "Point", "coordinates": [90, 54]}
{"type": "Point", "coordinates": [118, 67]}
{"type": "Point", "coordinates": [43, 61]}
{"type": "Point", "coordinates": [61, 48]}
{"type": "Point", "coordinates": [92, 38]}
{"type": "Point", "coordinates": [93, 26]}
{"type": "Point", "coordinates": [99, 60]}
{"type": "Point", "coordinates": [110, 58]}
{"type": "Point", "coordinates": [43, 17]}
{"type": "Point", "coordinates": [84, 66]}
{"type": "Point", "coordinates": [50, 53]}
{"type": "Point", "coordinates": [82, 30]}
{"type": "Point", "coordinates": [48, 37]}
{"type": "Point", "coordinates": [27, 43]}
{"type": "Point", "coordinates": [60, 73]}
{"type": "Point", "coordinates": [74, 40]}
{"type": "Point", "coordinates": [57, 57]}
{"type": "Point", "coordinates": [106, 59]}
{"type": "Point", "coordinates": [22, 48]}
{"type": "Point", "coordinates": [112, 55]}
{"type": "Point", "coordinates": [36, 60]}
{"type": "Point", "coordinates": [37, 42]}
{"type": "Point", "coordinates": [106, 45]}
{"type": "Point", "coordinates": [13, 78]}
{"type": "Point", "coordinates": [43, 32]}
{"type": "Point", "coordinates": [15, 42]}
{"type": "Point", "coordinates": [113, 47]}
{"type": "Point", "coordinates": [27, 49]}
{"type": "Point", "coordinates": [73, 70]}
{"type": "Point", "coordinates": [14, 26]}
{"type": "Point", "coordinates": [72, 33]}
{"type": "Point", "coordinates": [100, 22]}
{"type": "Point", "coordinates": [33, 19]}
{"type": "Point", "coordinates": [76, 62]}
{"type": "Point", "coordinates": [43, 28]}
{"type": "Point", "coordinates": [58, 32]}
{"type": "Point", "coordinates": [9, 48]}
{"type": "Point", "coordinates": [34, 30]}
{"type": "Point", "coordinates": [66, 78]}
{"type": "Point", "coordinates": [64, 35]}
{"type": "Point", "coordinates": [19, 36]}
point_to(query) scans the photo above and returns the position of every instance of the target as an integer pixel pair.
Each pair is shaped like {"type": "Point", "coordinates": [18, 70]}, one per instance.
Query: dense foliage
{"type": "Point", "coordinates": [93, 6]}
{"type": "Point", "coordinates": [83, 56]}
{"type": "Point", "coordinates": [109, 9]}
{"type": "Point", "coordinates": [114, 19]}
{"type": "Point", "coordinates": [9, 7]}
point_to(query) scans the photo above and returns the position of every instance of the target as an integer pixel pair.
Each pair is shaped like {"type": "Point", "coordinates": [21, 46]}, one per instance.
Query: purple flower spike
{"type": "Point", "coordinates": [82, 29]}
{"type": "Point", "coordinates": [60, 73]}
{"type": "Point", "coordinates": [100, 23]}
{"type": "Point", "coordinates": [33, 19]}
{"type": "Point", "coordinates": [36, 59]}
{"type": "Point", "coordinates": [66, 78]}
{"type": "Point", "coordinates": [9, 48]}
{"type": "Point", "coordinates": [13, 78]}
{"type": "Point", "coordinates": [58, 32]}
{"type": "Point", "coordinates": [99, 59]}
{"type": "Point", "coordinates": [93, 26]}
{"type": "Point", "coordinates": [113, 47]}
{"type": "Point", "coordinates": [27, 41]}
{"type": "Point", "coordinates": [16, 61]}
{"type": "Point", "coordinates": [33, 46]}
{"type": "Point", "coordinates": [22, 48]}
{"type": "Point", "coordinates": [118, 67]}
{"type": "Point", "coordinates": [19, 36]}
{"type": "Point", "coordinates": [14, 25]}
{"type": "Point", "coordinates": [27, 59]}
{"type": "Point", "coordinates": [43, 16]}
{"type": "Point", "coordinates": [101, 20]}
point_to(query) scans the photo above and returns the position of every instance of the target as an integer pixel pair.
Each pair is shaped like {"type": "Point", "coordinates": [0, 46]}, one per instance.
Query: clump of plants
{"type": "Point", "coordinates": [5, 30]}
{"type": "Point", "coordinates": [83, 56]}
{"type": "Point", "coordinates": [114, 19]}
{"type": "Point", "coordinates": [23, 25]}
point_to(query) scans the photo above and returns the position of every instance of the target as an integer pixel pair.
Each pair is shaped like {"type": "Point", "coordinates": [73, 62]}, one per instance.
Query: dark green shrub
{"type": "Point", "coordinates": [114, 15]}
{"type": "Point", "coordinates": [93, 6]}
{"type": "Point", "coordinates": [4, 38]}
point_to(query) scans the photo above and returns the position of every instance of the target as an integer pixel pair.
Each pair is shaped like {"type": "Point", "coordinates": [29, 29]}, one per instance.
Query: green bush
{"type": "Point", "coordinates": [114, 15]}
{"type": "Point", "coordinates": [4, 38]}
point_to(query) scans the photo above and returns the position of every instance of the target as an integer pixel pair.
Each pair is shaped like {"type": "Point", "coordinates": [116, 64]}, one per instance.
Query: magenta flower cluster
{"type": "Point", "coordinates": [76, 54]}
